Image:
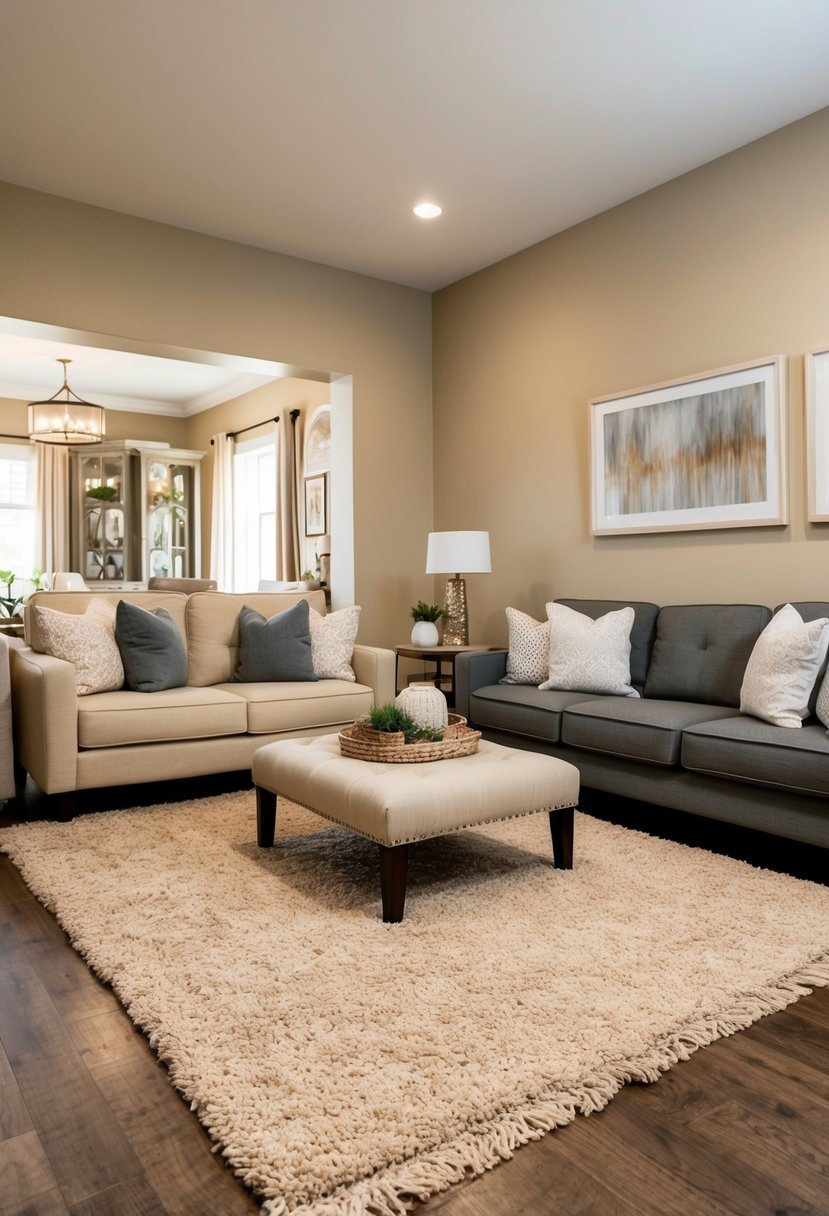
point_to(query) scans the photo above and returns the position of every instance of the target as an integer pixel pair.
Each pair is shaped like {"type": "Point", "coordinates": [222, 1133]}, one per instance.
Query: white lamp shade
{"type": "Point", "coordinates": [458, 552]}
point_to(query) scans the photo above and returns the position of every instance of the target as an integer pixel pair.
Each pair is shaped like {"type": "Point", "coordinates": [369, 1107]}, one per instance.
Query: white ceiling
{"type": "Point", "coordinates": [311, 127]}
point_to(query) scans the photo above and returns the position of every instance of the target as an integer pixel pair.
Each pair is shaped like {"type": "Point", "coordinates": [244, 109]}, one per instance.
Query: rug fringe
{"type": "Point", "coordinates": [394, 1190]}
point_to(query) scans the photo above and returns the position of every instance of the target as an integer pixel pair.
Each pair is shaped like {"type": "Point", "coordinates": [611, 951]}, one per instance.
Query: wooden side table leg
{"type": "Point", "coordinates": [265, 817]}
{"type": "Point", "coordinates": [394, 864]}
{"type": "Point", "coordinates": [561, 830]}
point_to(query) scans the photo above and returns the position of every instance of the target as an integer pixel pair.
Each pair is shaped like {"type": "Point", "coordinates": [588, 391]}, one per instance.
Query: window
{"type": "Point", "coordinates": [17, 512]}
{"type": "Point", "coordinates": [254, 512]}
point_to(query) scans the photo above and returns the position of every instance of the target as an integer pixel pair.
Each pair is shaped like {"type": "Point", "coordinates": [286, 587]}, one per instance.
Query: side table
{"type": "Point", "coordinates": [440, 656]}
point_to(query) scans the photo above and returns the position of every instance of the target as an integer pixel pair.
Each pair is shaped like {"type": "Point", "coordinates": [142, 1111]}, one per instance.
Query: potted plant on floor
{"type": "Point", "coordinates": [425, 617]}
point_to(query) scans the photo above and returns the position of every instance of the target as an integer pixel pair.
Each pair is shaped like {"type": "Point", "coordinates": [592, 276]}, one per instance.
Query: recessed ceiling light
{"type": "Point", "coordinates": [427, 211]}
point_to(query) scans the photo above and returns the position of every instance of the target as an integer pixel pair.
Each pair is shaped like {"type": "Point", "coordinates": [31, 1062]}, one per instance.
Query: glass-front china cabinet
{"type": "Point", "coordinates": [135, 512]}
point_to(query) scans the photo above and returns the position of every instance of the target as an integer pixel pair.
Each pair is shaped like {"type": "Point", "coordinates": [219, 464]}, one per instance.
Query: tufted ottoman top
{"type": "Point", "coordinates": [399, 803]}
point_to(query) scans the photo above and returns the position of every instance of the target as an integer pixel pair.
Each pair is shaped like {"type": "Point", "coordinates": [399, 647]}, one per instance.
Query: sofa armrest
{"type": "Point", "coordinates": [6, 747]}
{"type": "Point", "coordinates": [476, 669]}
{"type": "Point", "coordinates": [45, 716]}
{"type": "Point", "coordinates": [374, 666]}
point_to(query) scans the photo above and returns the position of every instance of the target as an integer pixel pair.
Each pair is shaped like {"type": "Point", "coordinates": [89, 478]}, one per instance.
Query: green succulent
{"type": "Point", "coordinates": [427, 612]}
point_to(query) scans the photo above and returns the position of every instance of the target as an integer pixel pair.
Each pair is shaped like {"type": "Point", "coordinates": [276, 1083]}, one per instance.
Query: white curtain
{"type": "Point", "coordinates": [52, 531]}
{"type": "Point", "coordinates": [221, 531]}
{"type": "Point", "coordinates": [288, 557]}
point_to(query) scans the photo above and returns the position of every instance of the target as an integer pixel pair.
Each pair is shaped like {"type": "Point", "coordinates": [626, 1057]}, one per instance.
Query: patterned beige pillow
{"type": "Point", "coordinates": [332, 643]}
{"type": "Point", "coordinates": [87, 640]}
{"type": "Point", "coordinates": [588, 655]}
{"type": "Point", "coordinates": [782, 669]}
{"type": "Point", "coordinates": [529, 647]}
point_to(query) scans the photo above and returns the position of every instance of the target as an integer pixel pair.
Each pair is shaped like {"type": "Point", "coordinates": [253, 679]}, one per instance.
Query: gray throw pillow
{"type": "Point", "coordinates": [278, 649]}
{"type": "Point", "coordinates": [151, 647]}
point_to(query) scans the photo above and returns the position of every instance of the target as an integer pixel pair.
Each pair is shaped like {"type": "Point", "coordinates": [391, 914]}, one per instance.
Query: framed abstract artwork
{"type": "Point", "coordinates": [817, 434]}
{"type": "Point", "coordinates": [315, 505]}
{"type": "Point", "coordinates": [703, 452]}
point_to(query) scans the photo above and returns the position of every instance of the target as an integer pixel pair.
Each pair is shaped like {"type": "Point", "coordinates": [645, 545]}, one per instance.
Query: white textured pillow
{"type": "Point", "coordinates": [86, 639]}
{"type": "Point", "coordinates": [529, 649]}
{"type": "Point", "coordinates": [588, 655]}
{"type": "Point", "coordinates": [783, 666]}
{"type": "Point", "coordinates": [332, 643]}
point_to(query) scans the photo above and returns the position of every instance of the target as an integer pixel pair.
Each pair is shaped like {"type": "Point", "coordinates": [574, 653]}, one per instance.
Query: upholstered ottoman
{"type": "Point", "coordinates": [397, 804]}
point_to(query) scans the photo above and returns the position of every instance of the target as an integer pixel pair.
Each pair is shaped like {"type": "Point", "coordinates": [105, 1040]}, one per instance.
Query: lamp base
{"type": "Point", "coordinates": [456, 622]}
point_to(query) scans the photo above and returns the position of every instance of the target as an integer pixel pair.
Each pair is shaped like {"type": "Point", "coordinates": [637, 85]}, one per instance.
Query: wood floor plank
{"type": "Point", "coordinates": [14, 1114]}
{"type": "Point", "coordinates": [771, 1149]}
{"type": "Point", "coordinates": [704, 1164]}
{"type": "Point", "coordinates": [133, 1198]}
{"type": "Point", "coordinates": [50, 1203]}
{"type": "Point", "coordinates": [25, 1171]}
{"type": "Point", "coordinates": [12, 887]}
{"type": "Point", "coordinates": [85, 1144]}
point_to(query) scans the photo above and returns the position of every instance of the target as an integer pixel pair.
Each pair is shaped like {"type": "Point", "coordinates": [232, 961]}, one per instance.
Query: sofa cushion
{"type": "Point", "coordinates": [276, 649]}
{"type": "Point", "coordinates": [701, 651]}
{"type": "Point", "coordinates": [783, 668]}
{"type": "Point", "coordinates": [746, 749]}
{"type": "Point", "coordinates": [522, 710]}
{"type": "Point", "coordinates": [152, 649]}
{"type": "Point", "coordinates": [641, 634]}
{"type": "Point", "coordinates": [589, 654]}
{"type": "Point", "coordinates": [87, 640]}
{"type": "Point", "coordinates": [332, 642]}
{"type": "Point", "coordinates": [301, 705]}
{"type": "Point", "coordinates": [528, 654]}
{"type": "Point", "coordinates": [213, 628]}
{"type": "Point", "coordinates": [113, 719]}
{"type": "Point", "coordinates": [650, 731]}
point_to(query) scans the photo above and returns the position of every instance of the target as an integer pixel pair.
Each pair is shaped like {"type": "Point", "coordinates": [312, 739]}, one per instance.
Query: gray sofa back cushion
{"type": "Point", "coordinates": [701, 651]}
{"type": "Point", "coordinates": [641, 635]}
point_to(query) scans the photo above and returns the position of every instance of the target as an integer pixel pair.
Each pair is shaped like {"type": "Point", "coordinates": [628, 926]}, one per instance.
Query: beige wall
{"type": "Point", "coordinates": [723, 265]}
{"type": "Point", "coordinates": [134, 279]}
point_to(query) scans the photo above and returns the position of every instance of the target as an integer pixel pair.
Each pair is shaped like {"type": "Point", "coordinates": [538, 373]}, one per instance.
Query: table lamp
{"type": "Point", "coordinates": [449, 553]}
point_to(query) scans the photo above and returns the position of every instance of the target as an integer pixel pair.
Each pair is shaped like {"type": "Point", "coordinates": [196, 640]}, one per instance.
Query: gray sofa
{"type": "Point", "coordinates": [683, 744]}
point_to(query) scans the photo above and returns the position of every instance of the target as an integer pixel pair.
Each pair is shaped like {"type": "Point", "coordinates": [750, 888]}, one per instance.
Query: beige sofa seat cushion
{"type": "Point", "coordinates": [396, 803]}
{"type": "Point", "coordinates": [113, 719]}
{"type": "Point", "coordinates": [213, 628]}
{"type": "Point", "coordinates": [301, 705]}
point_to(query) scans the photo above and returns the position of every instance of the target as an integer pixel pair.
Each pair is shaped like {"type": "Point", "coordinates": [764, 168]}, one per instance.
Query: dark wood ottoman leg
{"type": "Point", "coordinates": [394, 864]}
{"type": "Point", "coordinates": [561, 830]}
{"type": "Point", "coordinates": [265, 817]}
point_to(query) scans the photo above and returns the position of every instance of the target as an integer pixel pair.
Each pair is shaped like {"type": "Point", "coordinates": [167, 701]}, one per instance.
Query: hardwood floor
{"type": "Point", "coordinates": [90, 1125]}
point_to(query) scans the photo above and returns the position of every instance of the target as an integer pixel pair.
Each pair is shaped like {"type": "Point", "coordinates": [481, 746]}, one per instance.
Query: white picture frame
{"type": "Point", "coordinates": [705, 451]}
{"type": "Point", "coordinates": [817, 434]}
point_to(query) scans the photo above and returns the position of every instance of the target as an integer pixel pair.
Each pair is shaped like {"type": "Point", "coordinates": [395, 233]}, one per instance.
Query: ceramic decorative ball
{"type": "Point", "coordinates": [425, 705]}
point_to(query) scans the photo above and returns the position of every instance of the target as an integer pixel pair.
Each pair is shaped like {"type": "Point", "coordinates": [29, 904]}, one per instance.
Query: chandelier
{"type": "Point", "coordinates": [66, 419]}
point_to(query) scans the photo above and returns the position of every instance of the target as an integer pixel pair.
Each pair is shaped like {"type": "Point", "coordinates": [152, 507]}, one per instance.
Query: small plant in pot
{"type": "Point", "coordinates": [425, 617]}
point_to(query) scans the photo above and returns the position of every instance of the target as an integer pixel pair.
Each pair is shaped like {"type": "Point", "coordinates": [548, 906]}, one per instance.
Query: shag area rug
{"type": "Point", "coordinates": [345, 1066]}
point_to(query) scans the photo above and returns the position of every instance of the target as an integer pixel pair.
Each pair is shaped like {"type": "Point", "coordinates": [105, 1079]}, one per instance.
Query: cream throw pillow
{"type": "Point", "coordinates": [332, 643]}
{"type": "Point", "coordinates": [588, 655]}
{"type": "Point", "coordinates": [88, 641]}
{"type": "Point", "coordinates": [529, 649]}
{"type": "Point", "coordinates": [783, 666]}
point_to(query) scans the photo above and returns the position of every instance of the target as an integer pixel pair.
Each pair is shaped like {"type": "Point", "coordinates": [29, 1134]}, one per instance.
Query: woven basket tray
{"type": "Point", "coordinates": [361, 742]}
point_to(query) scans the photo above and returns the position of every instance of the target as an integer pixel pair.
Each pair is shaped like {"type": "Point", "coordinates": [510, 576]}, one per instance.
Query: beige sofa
{"type": "Point", "coordinates": [67, 743]}
{"type": "Point", "coordinates": [6, 757]}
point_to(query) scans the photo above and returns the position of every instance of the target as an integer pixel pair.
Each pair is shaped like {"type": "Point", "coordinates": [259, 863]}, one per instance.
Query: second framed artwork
{"type": "Point", "coordinates": [702, 452]}
{"type": "Point", "coordinates": [817, 433]}
{"type": "Point", "coordinates": [316, 504]}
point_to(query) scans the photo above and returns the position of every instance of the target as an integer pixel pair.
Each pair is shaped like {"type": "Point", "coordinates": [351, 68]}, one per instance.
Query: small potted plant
{"type": "Point", "coordinates": [10, 619]}
{"type": "Point", "coordinates": [425, 617]}
{"type": "Point", "coordinates": [309, 580]}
